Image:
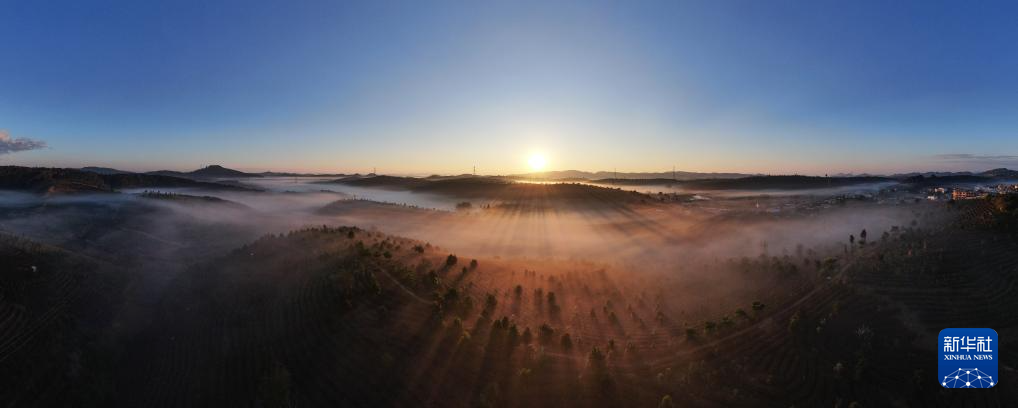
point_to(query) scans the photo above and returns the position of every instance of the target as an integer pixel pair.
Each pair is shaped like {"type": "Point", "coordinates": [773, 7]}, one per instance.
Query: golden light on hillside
{"type": "Point", "coordinates": [537, 162]}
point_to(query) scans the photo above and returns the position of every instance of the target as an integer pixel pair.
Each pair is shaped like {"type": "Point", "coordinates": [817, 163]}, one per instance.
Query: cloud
{"type": "Point", "coordinates": [976, 157]}
{"type": "Point", "coordinates": [12, 145]}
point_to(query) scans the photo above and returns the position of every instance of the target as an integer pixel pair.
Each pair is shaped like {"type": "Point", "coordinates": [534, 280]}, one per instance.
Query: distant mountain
{"type": "Point", "coordinates": [217, 171]}
{"type": "Point", "coordinates": [1001, 173]}
{"type": "Point", "coordinates": [960, 178]}
{"type": "Point", "coordinates": [214, 171]}
{"type": "Point", "coordinates": [576, 175]}
{"type": "Point", "coordinates": [104, 170]}
{"type": "Point", "coordinates": [931, 174]}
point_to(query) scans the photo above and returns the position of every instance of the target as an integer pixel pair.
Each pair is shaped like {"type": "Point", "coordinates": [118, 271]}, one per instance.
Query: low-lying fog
{"type": "Point", "coordinates": [316, 184]}
{"type": "Point", "coordinates": [658, 236]}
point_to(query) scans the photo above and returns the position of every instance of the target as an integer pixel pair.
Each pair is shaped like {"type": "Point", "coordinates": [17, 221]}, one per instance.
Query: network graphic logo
{"type": "Point", "coordinates": [967, 358]}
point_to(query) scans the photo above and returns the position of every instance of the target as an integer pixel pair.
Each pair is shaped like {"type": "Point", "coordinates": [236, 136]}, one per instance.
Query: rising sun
{"type": "Point", "coordinates": [536, 162]}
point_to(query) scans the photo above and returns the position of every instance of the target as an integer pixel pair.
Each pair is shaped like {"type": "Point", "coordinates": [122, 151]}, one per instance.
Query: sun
{"type": "Point", "coordinates": [536, 162]}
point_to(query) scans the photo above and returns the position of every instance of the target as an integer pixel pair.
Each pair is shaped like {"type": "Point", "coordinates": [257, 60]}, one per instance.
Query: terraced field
{"type": "Point", "coordinates": [331, 316]}
{"type": "Point", "coordinates": [55, 307]}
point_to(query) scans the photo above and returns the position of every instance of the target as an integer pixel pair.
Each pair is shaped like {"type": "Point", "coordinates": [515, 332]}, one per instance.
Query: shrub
{"type": "Point", "coordinates": [793, 322]}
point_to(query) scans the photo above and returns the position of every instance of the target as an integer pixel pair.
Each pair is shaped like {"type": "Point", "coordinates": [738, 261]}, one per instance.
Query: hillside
{"type": "Point", "coordinates": [104, 170]}
{"type": "Point", "coordinates": [952, 180]}
{"type": "Point", "coordinates": [190, 200]}
{"type": "Point", "coordinates": [794, 182]}
{"type": "Point", "coordinates": [331, 316]}
{"type": "Point", "coordinates": [61, 181]}
{"type": "Point", "coordinates": [56, 309]}
{"type": "Point", "coordinates": [386, 182]}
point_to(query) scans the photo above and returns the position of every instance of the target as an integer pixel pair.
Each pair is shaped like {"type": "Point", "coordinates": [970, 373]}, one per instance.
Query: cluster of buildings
{"type": "Point", "coordinates": [968, 193]}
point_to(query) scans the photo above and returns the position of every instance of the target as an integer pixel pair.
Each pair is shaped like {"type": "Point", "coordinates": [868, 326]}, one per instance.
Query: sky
{"type": "Point", "coordinates": [420, 87]}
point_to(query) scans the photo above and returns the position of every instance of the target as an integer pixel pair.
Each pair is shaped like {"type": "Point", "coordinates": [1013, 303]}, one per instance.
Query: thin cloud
{"type": "Point", "coordinates": [970, 161]}
{"type": "Point", "coordinates": [13, 145]}
{"type": "Point", "coordinates": [976, 157]}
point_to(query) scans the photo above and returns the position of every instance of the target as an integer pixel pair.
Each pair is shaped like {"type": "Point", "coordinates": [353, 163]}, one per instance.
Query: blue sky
{"type": "Point", "coordinates": [420, 87]}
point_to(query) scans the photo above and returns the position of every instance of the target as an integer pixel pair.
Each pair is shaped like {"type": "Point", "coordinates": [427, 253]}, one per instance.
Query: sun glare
{"type": "Point", "coordinates": [536, 162]}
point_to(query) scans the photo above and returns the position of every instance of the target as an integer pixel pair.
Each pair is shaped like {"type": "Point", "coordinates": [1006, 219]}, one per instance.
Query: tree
{"type": "Point", "coordinates": [567, 342]}
{"type": "Point", "coordinates": [451, 260]}
{"type": "Point", "coordinates": [514, 335]}
{"type": "Point", "coordinates": [527, 336]}
{"type": "Point", "coordinates": [467, 305]}
{"type": "Point", "coordinates": [518, 291]}
{"type": "Point", "coordinates": [473, 264]}
{"type": "Point", "coordinates": [274, 389]}
{"type": "Point", "coordinates": [545, 333]}
{"type": "Point", "coordinates": [596, 359]}
{"type": "Point", "coordinates": [464, 206]}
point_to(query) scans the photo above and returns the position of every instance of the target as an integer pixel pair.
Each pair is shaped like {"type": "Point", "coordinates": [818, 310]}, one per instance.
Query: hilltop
{"type": "Point", "coordinates": [208, 172]}
{"type": "Point", "coordinates": [104, 170]}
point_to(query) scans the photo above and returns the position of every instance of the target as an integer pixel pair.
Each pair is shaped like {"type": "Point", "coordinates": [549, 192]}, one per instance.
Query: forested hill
{"type": "Point", "coordinates": [57, 181]}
